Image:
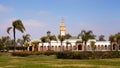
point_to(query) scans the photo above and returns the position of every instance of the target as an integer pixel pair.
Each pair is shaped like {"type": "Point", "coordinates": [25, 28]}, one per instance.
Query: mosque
{"type": "Point", "coordinates": [75, 44]}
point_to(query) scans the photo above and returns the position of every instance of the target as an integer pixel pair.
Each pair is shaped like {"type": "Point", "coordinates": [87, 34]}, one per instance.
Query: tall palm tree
{"type": "Point", "coordinates": [92, 43]}
{"type": "Point", "coordinates": [50, 38]}
{"type": "Point", "coordinates": [67, 42]}
{"type": "Point", "coordinates": [43, 40]}
{"type": "Point", "coordinates": [17, 24]}
{"type": "Point", "coordinates": [61, 38]}
{"type": "Point", "coordinates": [111, 39]}
{"type": "Point", "coordinates": [86, 35]}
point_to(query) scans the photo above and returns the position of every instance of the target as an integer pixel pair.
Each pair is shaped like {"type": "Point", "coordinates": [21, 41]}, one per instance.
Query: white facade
{"type": "Point", "coordinates": [74, 45]}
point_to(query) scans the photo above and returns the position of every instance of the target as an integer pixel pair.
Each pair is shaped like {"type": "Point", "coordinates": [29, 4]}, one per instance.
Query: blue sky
{"type": "Point", "coordinates": [39, 16]}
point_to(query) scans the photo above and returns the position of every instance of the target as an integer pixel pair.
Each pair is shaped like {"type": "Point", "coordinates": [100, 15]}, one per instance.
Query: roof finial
{"type": "Point", "coordinates": [62, 19]}
{"type": "Point", "coordinates": [62, 23]}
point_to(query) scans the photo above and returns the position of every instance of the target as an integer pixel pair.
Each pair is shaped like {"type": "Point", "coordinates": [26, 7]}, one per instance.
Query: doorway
{"type": "Point", "coordinates": [79, 47]}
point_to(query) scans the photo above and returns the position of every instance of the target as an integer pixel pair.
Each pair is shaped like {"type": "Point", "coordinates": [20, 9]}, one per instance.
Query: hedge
{"type": "Point", "coordinates": [88, 55]}
{"type": "Point", "coordinates": [24, 54]}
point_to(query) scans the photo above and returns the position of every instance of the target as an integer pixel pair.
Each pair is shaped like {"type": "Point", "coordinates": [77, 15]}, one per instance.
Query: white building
{"type": "Point", "coordinates": [74, 44]}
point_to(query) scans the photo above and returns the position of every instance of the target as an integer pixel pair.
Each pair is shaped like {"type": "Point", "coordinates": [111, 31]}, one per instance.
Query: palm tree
{"type": "Point", "coordinates": [50, 38]}
{"type": "Point", "coordinates": [27, 44]}
{"type": "Point", "coordinates": [1, 45]}
{"type": "Point", "coordinates": [86, 35]}
{"type": "Point", "coordinates": [3, 42]}
{"type": "Point", "coordinates": [115, 38]}
{"type": "Point", "coordinates": [17, 24]}
{"type": "Point", "coordinates": [20, 41]}
{"type": "Point", "coordinates": [92, 43]}
{"type": "Point", "coordinates": [67, 42]}
{"type": "Point", "coordinates": [118, 40]}
{"type": "Point", "coordinates": [61, 38]}
{"type": "Point", "coordinates": [111, 39]}
{"type": "Point", "coordinates": [68, 36]}
{"type": "Point", "coordinates": [26, 38]}
{"type": "Point", "coordinates": [101, 38]}
{"type": "Point", "coordinates": [43, 40]}
{"type": "Point", "coordinates": [35, 43]}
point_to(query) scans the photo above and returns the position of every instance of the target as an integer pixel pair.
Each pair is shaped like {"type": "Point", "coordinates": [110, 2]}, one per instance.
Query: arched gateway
{"type": "Point", "coordinates": [79, 47]}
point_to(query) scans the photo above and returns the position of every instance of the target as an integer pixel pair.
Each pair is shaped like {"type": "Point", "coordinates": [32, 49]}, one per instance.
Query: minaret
{"type": "Point", "coordinates": [62, 29]}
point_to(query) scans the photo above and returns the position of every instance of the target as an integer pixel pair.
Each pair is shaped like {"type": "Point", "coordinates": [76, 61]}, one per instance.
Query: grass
{"type": "Point", "coordinates": [7, 61]}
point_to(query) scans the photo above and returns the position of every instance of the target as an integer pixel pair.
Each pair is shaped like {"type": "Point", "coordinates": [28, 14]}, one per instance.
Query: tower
{"type": "Point", "coordinates": [62, 29]}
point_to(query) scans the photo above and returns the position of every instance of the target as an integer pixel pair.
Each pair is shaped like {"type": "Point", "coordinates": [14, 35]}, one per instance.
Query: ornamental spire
{"type": "Point", "coordinates": [62, 23]}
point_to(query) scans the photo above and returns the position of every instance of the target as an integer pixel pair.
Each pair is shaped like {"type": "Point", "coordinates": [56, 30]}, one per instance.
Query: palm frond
{"type": "Point", "coordinates": [8, 29]}
{"type": "Point", "coordinates": [18, 25]}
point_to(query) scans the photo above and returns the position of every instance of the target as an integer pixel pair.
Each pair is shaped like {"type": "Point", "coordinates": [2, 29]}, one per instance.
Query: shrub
{"type": "Point", "coordinates": [22, 54]}
{"type": "Point", "coordinates": [49, 52]}
{"type": "Point", "coordinates": [88, 55]}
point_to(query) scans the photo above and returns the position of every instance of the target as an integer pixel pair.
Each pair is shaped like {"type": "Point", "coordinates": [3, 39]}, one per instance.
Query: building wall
{"type": "Point", "coordinates": [56, 46]}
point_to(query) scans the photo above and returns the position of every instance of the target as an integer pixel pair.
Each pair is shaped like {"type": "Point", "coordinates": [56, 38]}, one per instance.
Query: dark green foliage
{"type": "Point", "coordinates": [17, 48]}
{"type": "Point", "coordinates": [88, 55]}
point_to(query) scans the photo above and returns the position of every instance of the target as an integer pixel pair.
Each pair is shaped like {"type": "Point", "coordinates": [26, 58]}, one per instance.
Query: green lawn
{"type": "Point", "coordinates": [53, 62]}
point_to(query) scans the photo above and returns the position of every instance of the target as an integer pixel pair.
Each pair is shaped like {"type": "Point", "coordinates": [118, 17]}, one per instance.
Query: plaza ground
{"type": "Point", "coordinates": [7, 61]}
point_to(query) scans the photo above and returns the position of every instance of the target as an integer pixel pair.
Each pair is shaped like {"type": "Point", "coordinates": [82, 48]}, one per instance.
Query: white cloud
{"type": "Point", "coordinates": [33, 23]}
{"type": "Point", "coordinates": [5, 8]}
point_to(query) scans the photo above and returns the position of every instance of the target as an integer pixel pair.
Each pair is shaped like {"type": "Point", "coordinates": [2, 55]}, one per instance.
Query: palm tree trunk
{"type": "Point", "coordinates": [42, 46]}
{"type": "Point", "coordinates": [85, 46]}
{"type": "Point", "coordinates": [14, 38]}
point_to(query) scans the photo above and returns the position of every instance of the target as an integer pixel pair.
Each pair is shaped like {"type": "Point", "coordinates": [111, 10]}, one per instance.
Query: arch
{"type": "Point", "coordinates": [119, 47]}
{"type": "Point", "coordinates": [102, 47]}
{"type": "Point", "coordinates": [70, 47]}
{"type": "Point", "coordinates": [98, 47]}
{"type": "Point", "coordinates": [63, 48]}
{"type": "Point", "coordinates": [44, 48]}
{"type": "Point", "coordinates": [41, 48]}
{"type": "Point", "coordinates": [79, 47]}
{"type": "Point", "coordinates": [55, 48]}
{"type": "Point", "coordinates": [30, 48]}
{"type": "Point", "coordinates": [59, 47]}
{"type": "Point", "coordinates": [66, 47]}
{"type": "Point", "coordinates": [48, 47]}
{"type": "Point", "coordinates": [52, 48]}
{"type": "Point", "coordinates": [88, 47]}
{"type": "Point", "coordinates": [105, 47]}
{"type": "Point", "coordinates": [74, 47]}
{"type": "Point", "coordinates": [114, 46]}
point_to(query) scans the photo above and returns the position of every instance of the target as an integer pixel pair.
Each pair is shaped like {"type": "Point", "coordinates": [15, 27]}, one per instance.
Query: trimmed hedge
{"type": "Point", "coordinates": [24, 54]}
{"type": "Point", "coordinates": [73, 55]}
{"type": "Point", "coordinates": [88, 55]}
